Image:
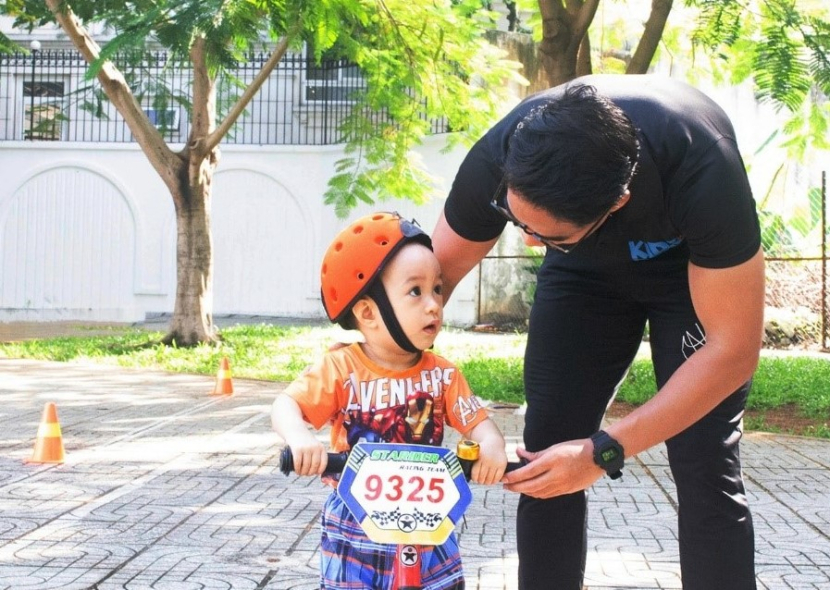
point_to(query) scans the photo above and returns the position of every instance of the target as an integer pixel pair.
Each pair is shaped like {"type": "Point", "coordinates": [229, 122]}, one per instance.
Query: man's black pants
{"type": "Point", "coordinates": [585, 330]}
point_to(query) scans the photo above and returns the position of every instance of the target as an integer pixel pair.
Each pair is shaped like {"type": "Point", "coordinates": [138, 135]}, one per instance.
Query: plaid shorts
{"type": "Point", "coordinates": [350, 561]}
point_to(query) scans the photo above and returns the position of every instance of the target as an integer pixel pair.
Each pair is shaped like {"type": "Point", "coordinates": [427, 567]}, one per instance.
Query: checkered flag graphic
{"type": "Point", "coordinates": [430, 519]}
{"type": "Point", "coordinates": [383, 518]}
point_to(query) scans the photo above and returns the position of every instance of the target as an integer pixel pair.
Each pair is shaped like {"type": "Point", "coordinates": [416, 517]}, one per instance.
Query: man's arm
{"type": "Point", "coordinates": [456, 255]}
{"type": "Point", "coordinates": [729, 303]}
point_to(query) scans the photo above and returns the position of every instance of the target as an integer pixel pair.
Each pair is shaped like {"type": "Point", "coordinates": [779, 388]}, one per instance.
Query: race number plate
{"type": "Point", "coordinates": [404, 494]}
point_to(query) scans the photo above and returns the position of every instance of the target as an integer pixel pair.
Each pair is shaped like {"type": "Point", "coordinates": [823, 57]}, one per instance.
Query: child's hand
{"type": "Point", "coordinates": [309, 456]}
{"type": "Point", "coordinates": [308, 453]}
{"type": "Point", "coordinates": [492, 461]}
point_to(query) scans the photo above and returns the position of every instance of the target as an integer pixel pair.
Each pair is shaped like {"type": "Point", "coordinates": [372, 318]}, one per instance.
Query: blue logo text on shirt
{"type": "Point", "coordinates": [646, 250]}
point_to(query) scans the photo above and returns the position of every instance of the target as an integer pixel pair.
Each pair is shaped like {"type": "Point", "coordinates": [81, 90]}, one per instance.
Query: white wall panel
{"type": "Point", "coordinates": [67, 246]}
{"type": "Point", "coordinates": [263, 246]}
{"type": "Point", "coordinates": [88, 231]}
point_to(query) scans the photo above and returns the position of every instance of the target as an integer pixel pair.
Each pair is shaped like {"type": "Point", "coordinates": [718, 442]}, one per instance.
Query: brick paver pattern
{"type": "Point", "coordinates": [167, 487]}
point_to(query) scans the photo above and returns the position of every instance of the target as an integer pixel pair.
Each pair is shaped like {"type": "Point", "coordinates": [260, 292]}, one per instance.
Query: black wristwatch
{"type": "Point", "coordinates": [608, 454]}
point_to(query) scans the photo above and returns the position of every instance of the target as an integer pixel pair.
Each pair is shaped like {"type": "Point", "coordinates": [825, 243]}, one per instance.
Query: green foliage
{"type": "Point", "coordinates": [7, 45]}
{"type": "Point", "coordinates": [534, 19]}
{"type": "Point", "coordinates": [421, 61]}
{"type": "Point", "coordinates": [780, 73]}
{"type": "Point", "coordinates": [807, 129]}
{"type": "Point", "coordinates": [783, 45]}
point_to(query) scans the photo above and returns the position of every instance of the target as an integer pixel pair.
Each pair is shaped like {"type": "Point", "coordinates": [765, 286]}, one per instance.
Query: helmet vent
{"type": "Point", "coordinates": [338, 246]}
{"type": "Point", "coordinates": [382, 240]}
{"type": "Point", "coordinates": [360, 276]}
{"type": "Point", "coordinates": [358, 229]}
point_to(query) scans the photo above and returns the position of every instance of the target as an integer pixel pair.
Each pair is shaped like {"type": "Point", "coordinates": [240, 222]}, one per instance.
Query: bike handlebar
{"type": "Point", "coordinates": [337, 461]}
{"type": "Point", "coordinates": [335, 464]}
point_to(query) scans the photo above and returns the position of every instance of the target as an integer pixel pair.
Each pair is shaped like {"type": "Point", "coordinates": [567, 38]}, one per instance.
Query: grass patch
{"type": "Point", "coordinates": [802, 381]}
{"type": "Point", "coordinates": [498, 379]}
{"type": "Point", "coordinates": [492, 363]}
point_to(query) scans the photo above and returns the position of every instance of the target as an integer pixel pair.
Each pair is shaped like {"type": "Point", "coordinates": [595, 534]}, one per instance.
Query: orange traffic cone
{"type": "Point", "coordinates": [49, 443]}
{"type": "Point", "coordinates": [224, 385]}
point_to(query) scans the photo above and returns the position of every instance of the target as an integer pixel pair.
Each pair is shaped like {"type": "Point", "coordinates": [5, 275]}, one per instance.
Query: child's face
{"type": "Point", "coordinates": [413, 284]}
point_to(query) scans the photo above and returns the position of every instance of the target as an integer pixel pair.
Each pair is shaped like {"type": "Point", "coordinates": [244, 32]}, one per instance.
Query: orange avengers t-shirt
{"type": "Point", "coordinates": [356, 396]}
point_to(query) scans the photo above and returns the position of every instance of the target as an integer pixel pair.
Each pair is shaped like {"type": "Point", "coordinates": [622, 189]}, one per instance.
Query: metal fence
{"type": "Point", "coordinates": [798, 273]}
{"type": "Point", "coordinates": [46, 96]}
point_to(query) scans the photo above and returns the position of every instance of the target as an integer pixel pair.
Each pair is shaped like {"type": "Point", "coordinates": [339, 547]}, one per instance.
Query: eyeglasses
{"type": "Point", "coordinates": [564, 248]}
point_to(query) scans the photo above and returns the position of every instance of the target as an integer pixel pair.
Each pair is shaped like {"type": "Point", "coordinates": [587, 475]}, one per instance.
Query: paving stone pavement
{"type": "Point", "coordinates": [167, 487]}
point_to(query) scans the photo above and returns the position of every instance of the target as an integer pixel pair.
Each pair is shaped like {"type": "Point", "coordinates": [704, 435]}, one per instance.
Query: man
{"type": "Point", "coordinates": [636, 186]}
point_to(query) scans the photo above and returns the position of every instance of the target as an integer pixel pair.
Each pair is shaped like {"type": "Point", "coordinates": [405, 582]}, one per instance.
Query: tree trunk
{"type": "Point", "coordinates": [564, 27]}
{"type": "Point", "coordinates": [557, 53]}
{"type": "Point", "coordinates": [192, 321]}
{"type": "Point", "coordinates": [187, 174]}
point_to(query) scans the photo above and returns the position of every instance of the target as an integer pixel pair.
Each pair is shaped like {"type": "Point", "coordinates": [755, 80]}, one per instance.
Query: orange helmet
{"type": "Point", "coordinates": [357, 256]}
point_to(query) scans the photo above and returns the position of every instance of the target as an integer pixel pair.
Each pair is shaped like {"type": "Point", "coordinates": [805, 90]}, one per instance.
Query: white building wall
{"type": "Point", "coordinates": [88, 231]}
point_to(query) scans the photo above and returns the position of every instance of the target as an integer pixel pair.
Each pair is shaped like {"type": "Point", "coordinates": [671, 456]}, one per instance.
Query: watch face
{"type": "Point", "coordinates": [608, 455]}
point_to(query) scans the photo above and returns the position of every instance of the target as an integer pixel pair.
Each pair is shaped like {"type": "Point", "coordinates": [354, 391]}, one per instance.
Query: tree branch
{"type": "Point", "coordinates": [583, 58]}
{"type": "Point", "coordinates": [216, 136]}
{"type": "Point", "coordinates": [650, 39]}
{"type": "Point", "coordinates": [119, 93]}
{"type": "Point", "coordinates": [584, 17]}
{"type": "Point", "coordinates": [203, 117]}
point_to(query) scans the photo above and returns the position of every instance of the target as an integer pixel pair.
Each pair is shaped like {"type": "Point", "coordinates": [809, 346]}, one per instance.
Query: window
{"type": "Point", "coordinates": [43, 110]}
{"type": "Point", "coordinates": [165, 120]}
{"type": "Point", "coordinates": [333, 80]}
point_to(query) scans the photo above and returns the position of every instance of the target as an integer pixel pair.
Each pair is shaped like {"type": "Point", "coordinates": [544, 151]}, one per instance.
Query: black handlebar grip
{"type": "Point", "coordinates": [467, 467]}
{"type": "Point", "coordinates": [286, 461]}
{"type": "Point", "coordinates": [336, 462]}
{"type": "Point", "coordinates": [514, 465]}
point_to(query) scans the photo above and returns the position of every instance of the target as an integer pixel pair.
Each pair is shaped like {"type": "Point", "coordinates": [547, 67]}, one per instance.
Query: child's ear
{"type": "Point", "coordinates": [365, 312]}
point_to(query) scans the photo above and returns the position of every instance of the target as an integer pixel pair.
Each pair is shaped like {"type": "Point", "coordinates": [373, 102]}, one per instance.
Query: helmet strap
{"type": "Point", "coordinates": [378, 294]}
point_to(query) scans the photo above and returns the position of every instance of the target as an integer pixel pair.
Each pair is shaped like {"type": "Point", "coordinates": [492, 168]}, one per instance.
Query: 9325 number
{"type": "Point", "coordinates": [393, 489]}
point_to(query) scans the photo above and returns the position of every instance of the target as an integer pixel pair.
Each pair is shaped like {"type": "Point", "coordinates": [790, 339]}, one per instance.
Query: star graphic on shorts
{"type": "Point", "coordinates": [409, 556]}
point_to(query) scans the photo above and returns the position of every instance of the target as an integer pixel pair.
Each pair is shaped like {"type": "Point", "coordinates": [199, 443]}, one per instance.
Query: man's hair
{"type": "Point", "coordinates": [573, 155]}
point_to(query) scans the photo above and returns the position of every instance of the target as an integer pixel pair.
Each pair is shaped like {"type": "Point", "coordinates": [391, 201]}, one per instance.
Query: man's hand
{"type": "Point", "coordinates": [564, 468]}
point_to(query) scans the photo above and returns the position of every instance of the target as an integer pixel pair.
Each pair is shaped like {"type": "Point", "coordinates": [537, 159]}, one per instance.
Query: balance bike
{"type": "Point", "coordinates": [402, 494]}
